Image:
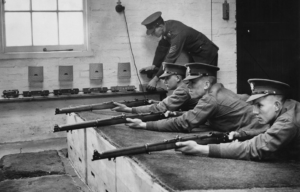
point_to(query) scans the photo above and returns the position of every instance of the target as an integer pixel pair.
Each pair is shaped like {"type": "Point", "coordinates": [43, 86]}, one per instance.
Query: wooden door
{"type": "Point", "coordinates": [268, 42]}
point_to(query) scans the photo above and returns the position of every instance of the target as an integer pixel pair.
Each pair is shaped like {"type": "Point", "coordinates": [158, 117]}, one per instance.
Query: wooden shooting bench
{"type": "Point", "coordinates": [166, 170]}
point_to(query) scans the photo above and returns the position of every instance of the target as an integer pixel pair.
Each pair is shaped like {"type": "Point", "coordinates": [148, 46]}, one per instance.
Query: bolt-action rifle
{"type": "Point", "coordinates": [207, 138]}
{"type": "Point", "coordinates": [113, 121]}
{"type": "Point", "coordinates": [100, 106]}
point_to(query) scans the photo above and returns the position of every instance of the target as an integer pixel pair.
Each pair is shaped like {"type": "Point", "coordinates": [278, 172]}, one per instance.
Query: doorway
{"type": "Point", "coordinates": [268, 42]}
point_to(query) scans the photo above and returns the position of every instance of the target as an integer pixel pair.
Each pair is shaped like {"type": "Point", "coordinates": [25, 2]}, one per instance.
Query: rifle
{"type": "Point", "coordinates": [105, 105]}
{"type": "Point", "coordinates": [113, 121]}
{"type": "Point", "coordinates": [211, 137]}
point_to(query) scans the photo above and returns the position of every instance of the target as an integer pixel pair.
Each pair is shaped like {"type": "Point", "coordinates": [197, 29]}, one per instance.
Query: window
{"type": "Point", "coordinates": [43, 28]}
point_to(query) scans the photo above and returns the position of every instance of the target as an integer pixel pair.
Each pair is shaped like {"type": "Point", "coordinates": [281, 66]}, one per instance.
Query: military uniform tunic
{"type": "Point", "coordinates": [178, 37]}
{"type": "Point", "coordinates": [224, 110]}
{"type": "Point", "coordinates": [179, 100]}
{"type": "Point", "coordinates": [281, 140]}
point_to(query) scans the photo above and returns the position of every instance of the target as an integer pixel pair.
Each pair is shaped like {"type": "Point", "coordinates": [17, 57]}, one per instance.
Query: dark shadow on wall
{"type": "Point", "coordinates": [268, 42]}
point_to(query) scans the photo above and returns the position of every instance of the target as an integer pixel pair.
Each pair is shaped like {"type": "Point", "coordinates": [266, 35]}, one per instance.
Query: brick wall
{"type": "Point", "coordinates": [109, 42]}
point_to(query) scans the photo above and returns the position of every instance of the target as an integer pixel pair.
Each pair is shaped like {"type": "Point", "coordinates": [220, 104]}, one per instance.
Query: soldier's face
{"type": "Point", "coordinates": [158, 31]}
{"type": "Point", "coordinates": [197, 88]}
{"type": "Point", "coordinates": [265, 109]}
{"type": "Point", "coordinates": [171, 82]}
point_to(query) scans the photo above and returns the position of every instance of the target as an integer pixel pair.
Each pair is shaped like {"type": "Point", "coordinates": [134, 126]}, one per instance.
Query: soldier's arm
{"type": "Point", "coordinates": [160, 55]}
{"type": "Point", "coordinates": [170, 103]}
{"type": "Point", "coordinates": [243, 97]}
{"type": "Point", "coordinates": [260, 147]}
{"type": "Point", "coordinates": [247, 134]}
{"type": "Point", "coordinates": [177, 43]}
{"type": "Point", "coordinates": [189, 120]}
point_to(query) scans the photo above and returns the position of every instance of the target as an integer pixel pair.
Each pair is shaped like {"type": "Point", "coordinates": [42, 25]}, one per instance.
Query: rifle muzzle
{"type": "Point", "coordinates": [56, 128]}
{"type": "Point", "coordinates": [96, 155]}
{"type": "Point", "coordinates": [57, 111]}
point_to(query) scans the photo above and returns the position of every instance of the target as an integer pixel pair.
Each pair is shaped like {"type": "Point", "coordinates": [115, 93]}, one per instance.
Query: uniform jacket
{"type": "Point", "coordinates": [224, 110]}
{"type": "Point", "coordinates": [281, 140]}
{"type": "Point", "coordinates": [180, 99]}
{"type": "Point", "coordinates": [181, 37]}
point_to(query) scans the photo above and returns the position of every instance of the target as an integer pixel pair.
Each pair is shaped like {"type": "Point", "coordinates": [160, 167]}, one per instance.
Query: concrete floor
{"type": "Point", "coordinates": [38, 166]}
{"type": "Point", "coordinates": [33, 146]}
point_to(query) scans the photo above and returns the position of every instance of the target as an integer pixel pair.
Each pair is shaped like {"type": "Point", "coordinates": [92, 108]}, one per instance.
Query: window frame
{"type": "Point", "coordinates": [7, 53]}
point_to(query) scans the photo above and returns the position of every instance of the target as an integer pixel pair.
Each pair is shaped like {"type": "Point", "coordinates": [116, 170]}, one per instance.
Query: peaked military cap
{"type": "Point", "coordinates": [173, 69]}
{"type": "Point", "coordinates": [264, 87]}
{"type": "Point", "coordinates": [153, 21]}
{"type": "Point", "coordinates": [196, 70]}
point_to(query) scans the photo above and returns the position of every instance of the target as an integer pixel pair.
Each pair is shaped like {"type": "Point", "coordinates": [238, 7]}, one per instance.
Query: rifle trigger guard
{"type": "Point", "coordinates": [146, 147]}
{"type": "Point", "coordinates": [97, 121]}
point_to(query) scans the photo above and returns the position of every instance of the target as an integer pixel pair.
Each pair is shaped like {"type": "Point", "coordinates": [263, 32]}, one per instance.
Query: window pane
{"type": "Point", "coordinates": [17, 29]}
{"type": "Point", "coordinates": [70, 4]}
{"type": "Point", "coordinates": [44, 5]}
{"type": "Point", "coordinates": [45, 29]}
{"type": "Point", "coordinates": [15, 5]}
{"type": "Point", "coordinates": [71, 28]}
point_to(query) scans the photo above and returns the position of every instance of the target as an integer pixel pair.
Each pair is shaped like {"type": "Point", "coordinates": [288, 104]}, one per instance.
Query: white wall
{"type": "Point", "coordinates": [35, 120]}
{"type": "Point", "coordinates": [109, 42]}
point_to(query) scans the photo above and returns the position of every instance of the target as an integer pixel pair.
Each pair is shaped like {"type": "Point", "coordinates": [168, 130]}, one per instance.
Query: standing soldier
{"type": "Point", "coordinates": [180, 99]}
{"type": "Point", "coordinates": [175, 38]}
{"type": "Point", "coordinates": [270, 106]}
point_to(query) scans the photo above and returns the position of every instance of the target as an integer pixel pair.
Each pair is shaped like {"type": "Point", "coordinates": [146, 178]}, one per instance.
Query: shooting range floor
{"type": "Point", "coordinates": [178, 172]}
{"type": "Point", "coordinates": [31, 169]}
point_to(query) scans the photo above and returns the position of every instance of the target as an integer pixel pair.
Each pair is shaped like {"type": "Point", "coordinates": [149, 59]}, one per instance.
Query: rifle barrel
{"type": "Point", "coordinates": [212, 137]}
{"type": "Point", "coordinates": [100, 106]}
{"type": "Point", "coordinates": [110, 121]}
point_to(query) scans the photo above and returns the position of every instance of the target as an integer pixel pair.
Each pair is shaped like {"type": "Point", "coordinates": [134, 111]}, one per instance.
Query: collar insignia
{"type": "Point", "coordinates": [252, 86]}
{"type": "Point", "coordinates": [188, 70]}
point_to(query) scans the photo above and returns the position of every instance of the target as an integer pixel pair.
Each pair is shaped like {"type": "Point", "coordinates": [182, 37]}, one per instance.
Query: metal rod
{"type": "Point", "coordinates": [46, 50]}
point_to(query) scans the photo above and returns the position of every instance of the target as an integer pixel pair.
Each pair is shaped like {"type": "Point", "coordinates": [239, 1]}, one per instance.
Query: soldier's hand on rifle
{"type": "Point", "coordinates": [152, 101]}
{"type": "Point", "coordinates": [192, 148]}
{"type": "Point", "coordinates": [170, 113]}
{"type": "Point", "coordinates": [233, 135]}
{"type": "Point", "coordinates": [135, 123]}
{"type": "Point", "coordinates": [122, 108]}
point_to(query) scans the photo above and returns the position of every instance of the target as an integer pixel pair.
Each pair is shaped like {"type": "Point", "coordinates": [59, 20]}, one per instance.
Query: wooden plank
{"type": "Point", "coordinates": [113, 96]}
{"type": "Point", "coordinates": [120, 175]}
{"type": "Point", "coordinates": [77, 147]}
{"type": "Point", "coordinates": [99, 175]}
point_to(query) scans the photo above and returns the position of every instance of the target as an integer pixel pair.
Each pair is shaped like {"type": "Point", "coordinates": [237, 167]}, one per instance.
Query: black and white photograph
{"type": "Point", "coordinates": [149, 95]}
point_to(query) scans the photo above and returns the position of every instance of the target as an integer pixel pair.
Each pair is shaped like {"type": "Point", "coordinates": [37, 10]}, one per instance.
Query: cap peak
{"type": "Point", "coordinates": [264, 87]}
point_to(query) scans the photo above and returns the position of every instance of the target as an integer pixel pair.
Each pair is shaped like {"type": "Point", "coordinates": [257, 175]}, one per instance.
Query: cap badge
{"type": "Point", "coordinates": [252, 86]}
{"type": "Point", "coordinates": [188, 70]}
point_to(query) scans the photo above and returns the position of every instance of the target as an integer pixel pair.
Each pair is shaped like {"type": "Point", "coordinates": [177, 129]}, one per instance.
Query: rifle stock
{"type": "Point", "coordinates": [100, 106]}
{"type": "Point", "coordinates": [211, 137]}
{"type": "Point", "coordinates": [111, 121]}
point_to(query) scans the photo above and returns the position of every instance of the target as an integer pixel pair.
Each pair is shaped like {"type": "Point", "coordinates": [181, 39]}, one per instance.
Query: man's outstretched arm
{"type": "Point", "coordinates": [186, 122]}
{"type": "Point", "coordinates": [260, 147]}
